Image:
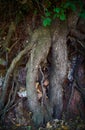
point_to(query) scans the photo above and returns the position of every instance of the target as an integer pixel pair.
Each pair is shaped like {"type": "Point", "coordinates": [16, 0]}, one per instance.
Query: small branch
{"type": "Point", "coordinates": [82, 44]}
{"type": "Point", "coordinates": [10, 49]}
{"type": "Point", "coordinates": [11, 30]}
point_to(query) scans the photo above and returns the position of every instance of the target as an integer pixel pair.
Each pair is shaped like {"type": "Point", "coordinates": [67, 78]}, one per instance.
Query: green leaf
{"type": "Point", "coordinates": [70, 5]}
{"type": "Point", "coordinates": [73, 7]}
{"type": "Point", "coordinates": [62, 17]}
{"type": "Point", "coordinates": [56, 16]}
{"type": "Point", "coordinates": [47, 13]}
{"type": "Point", "coordinates": [47, 21]}
{"type": "Point", "coordinates": [82, 14]}
{"type": "Point", "coordinates": [57, 10]}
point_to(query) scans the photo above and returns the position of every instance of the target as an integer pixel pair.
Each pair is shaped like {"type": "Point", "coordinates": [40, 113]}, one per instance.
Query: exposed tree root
{"type": "Point", "coordinates": [10, 71]}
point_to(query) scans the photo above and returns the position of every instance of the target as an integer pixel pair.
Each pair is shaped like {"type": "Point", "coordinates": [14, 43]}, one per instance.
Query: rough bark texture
{"type": "Point", "coordinates": [38, 54]}
{"type": "Point", "coordinates": [58, 68]}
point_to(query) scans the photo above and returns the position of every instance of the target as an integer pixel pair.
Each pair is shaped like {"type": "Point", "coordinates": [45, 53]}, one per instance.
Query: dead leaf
{"type": "Point", "coordinates": [46, 83]}
{"type": "Point", "coordinates": [36, 85]}
{"type": "Point", "coordinates": [18, 125]}
{"type": "Point", "coordinates": [39, 95]}
{"type": "Point", "coordinates": [65, 127]}
{"type": "Point", "coordinates": [48, 125]}
{"type": "Point", "coordinates": [22, 88]}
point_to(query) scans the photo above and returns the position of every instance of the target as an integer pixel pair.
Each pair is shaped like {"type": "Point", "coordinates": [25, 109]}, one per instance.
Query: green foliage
{"type": "Point", "coordinates": [69, 5]}
{"type": "Point", "coordinates": [47, 20]}
{"type": "Point", "coordinates": [62, 16]}
{"type": "Point", "coordinates": [82, 14]}
{"type": "Point", "coordinates": [60, 11]}
{"type": "Point", "coordinates": [49, 10]}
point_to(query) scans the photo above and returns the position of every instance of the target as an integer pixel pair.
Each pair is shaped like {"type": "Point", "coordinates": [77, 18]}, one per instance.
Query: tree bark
{"type": "Point", "coordinates": [38, 54]}
{"type": "Point", "coordinates": [58, 68]}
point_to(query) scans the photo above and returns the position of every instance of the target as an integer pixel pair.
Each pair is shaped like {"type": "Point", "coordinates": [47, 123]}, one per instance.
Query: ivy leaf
{"type": "Point", "coordinates": [47, 14]}
{"type": "Point", "coordinates": [62, 17]}
{"type": "Point", "coordinates": [57, 10]}
{"type": "Point", "coordinates": [47, 21]}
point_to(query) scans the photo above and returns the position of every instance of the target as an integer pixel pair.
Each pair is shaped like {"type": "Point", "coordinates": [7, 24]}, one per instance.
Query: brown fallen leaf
{"type": "Point", "coordinates": [46, 83]}
{"type": "Point", "coordinates": [64, 127]}
{"type": "Point", "coordinates": [48, 125]}
{"type": "Point", "coordinates": [18, 125]}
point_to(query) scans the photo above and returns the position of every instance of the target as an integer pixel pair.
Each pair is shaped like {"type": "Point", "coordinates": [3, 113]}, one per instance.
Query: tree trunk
{"type": "Point", "coordinates": [56, 45]}
{"type": "Point", "coordinates": [38, 55]}
{"type": "Point", "coordinates": [58, 68]}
